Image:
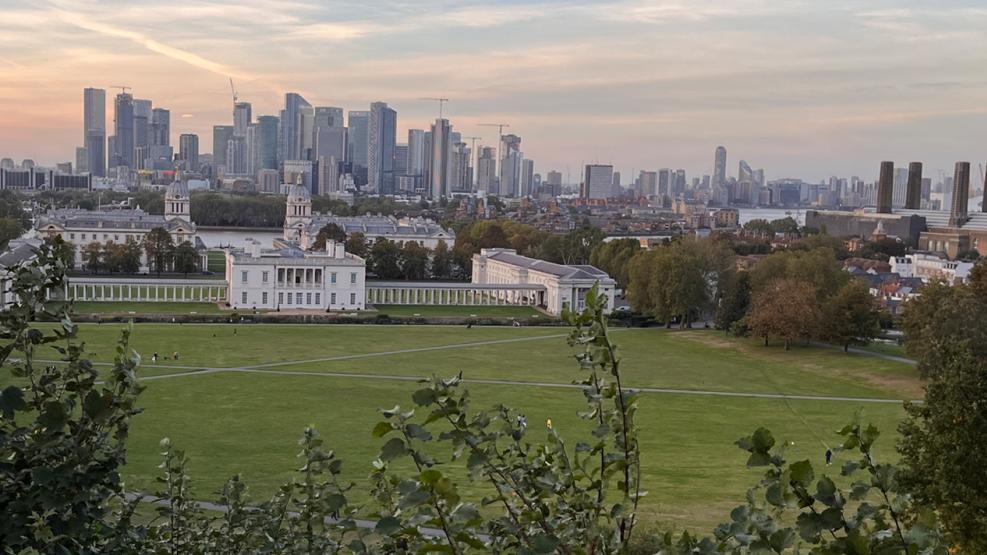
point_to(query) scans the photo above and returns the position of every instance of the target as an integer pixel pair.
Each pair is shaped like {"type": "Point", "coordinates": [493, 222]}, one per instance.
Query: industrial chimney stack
{"type": "Point", "coordinates": [885, 188]}
{"type": "Point", "coordinates": [913, 195]}
{"type": "Point", "coordinates": [961, 194]}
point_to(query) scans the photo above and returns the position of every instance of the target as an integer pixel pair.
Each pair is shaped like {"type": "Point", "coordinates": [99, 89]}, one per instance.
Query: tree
{"type": "Point", "coordinates": [186, 258]}
{"type": "Point", "coordinates": [818, 267]}
{"type": "Point", "coordinates": [882, 249]}
{"type": "Point", "coordinates": [93, 257]}
{"type": "Point", "coordinates": [160, 249]}
{"type": "Point", "coordinates": [786, 225]}
{"type": "Point", "coordinates": [943, 323]}
{"type": "Point", "coordinates": [383, 259]}
{"type": "Point", "coordinates": [441, 260]}
{"type": "Point", "coordinates": [851, 316]}
{"type": "Point", "coordinates": [613, 257]}
{"type": "Point", "coordinates": [9, 229]}
{"type": "Point", "coordinates": [579, 244]}
{"type": "Point", "coordinates": [735, 301]}
{"type": "Point", "coordinates": [786, 308]}
{"type": "Point", "coordinates": [130, 262]}
{"type": "Point", "coordinates": [356, 244]}
{"type": "Point", "coordinates": [978, 279]}
{"type": "Point", "coordinates": [62, 249]}
{"type": "Point", "coordinates": [112, 254]}
{"type": "Point", "coordinates": [760, 226]}
{"type": "Point", "coordinates": [413, 260]}
{"type": "Point", "coordinates": [330, 231]}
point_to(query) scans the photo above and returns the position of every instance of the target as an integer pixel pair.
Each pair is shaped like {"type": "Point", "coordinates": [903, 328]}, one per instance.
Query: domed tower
{"type": "Point", "coordinates": [177, 204]}
{"type": "Point", "coordinates": [298, 211]}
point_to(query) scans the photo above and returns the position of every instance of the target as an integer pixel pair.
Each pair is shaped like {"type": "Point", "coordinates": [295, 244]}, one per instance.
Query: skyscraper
{"type": "Point", "coordinates": [142, 132]}
{"type": "Point", "coordinates": [123, 131]}
{"type": "Point", "coordinates": [242, 118]}
{"type": "Point", "coordinates": [510, 165]}
{"type": "Point", "coordinates": [440, 160]}
{"type": "Point", "coordinates": [221, 136]}
{"type": "Point", "coordinates": [416, 151]}
{"type": "Point", "coordinates": [94, 130]}
{"type": "Point", "coordinates": [597, 181]}
{"type": "Point", "coordinates": [380, 148]}
{"type": "Point", "coordinates": [357, 144]}
{"type": "Point", "coordinates": [188, 151]}
{"type": "Point", "coordinates": [720, 166]}
{"type": "Point", "coordinates": [328, 116]}
{"type": "Point", "coordinates": [486, 171]}
{"type": "Point", "coordinates": [528, 177]}
{"type": "Point", "coordinates": [292, 126]}
{"type": "Point", "coordinates": [160, 154]}
{"type": "Point", "coordinates": [265, 146]}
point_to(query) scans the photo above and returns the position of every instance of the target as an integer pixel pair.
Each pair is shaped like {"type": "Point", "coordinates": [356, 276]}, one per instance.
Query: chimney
{"type": "Point", "coordinates": [961, 194]}
{"type": "Point", "coordinates": [253, 248]}
{"type": "Point", "coordinates": [913, 195]}
{"type": "Point", "coordinates": [340, 250]}
{"type": "Point", "coordinates": [885, 188]}
{"type": "Point", "coordinates": [331, 247]}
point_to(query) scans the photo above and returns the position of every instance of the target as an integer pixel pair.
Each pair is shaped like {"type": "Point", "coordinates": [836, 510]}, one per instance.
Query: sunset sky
{"type": "Point", "coordinates": [801, 88]}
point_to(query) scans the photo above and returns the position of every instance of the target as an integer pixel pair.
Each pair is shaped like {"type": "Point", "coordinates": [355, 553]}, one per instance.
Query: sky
{"type": "Point", "coordinates": [801, 88]}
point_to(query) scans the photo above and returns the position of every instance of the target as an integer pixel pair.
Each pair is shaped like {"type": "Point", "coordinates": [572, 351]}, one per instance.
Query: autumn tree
{"type": "Point", "coordinates": [160, 249]}
{"type": "Point", "coordinates": [735, 301]}
{"type": "Point", "coordinates": [64, 250]}
{"type": "Point", "coordinates": [818, 267]}
{"type": "Point", "coordinates": [384, 259]}
{"type": "Point", "coordinates": [441, 260]}
{"type": "Point", "coordinates": [413, 260]}
{"type": "Point", "coordinates": [93, 257]}
{"type": "Point", "coordinates": [356, 244]}
{"type": "Point", "coordinates": [328, 232]}
{"type": "Point", "coordinates": [785, 308]}
{"type": "Point", "coordinates": [613, 257]}
{"type": "Point", "coordinates": [851, 316]}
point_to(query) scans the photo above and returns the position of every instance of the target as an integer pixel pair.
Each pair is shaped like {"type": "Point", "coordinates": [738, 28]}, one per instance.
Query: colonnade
{"type": "Point", "coordinates": [146, 290]}
{"type": "Point", "coordinates": [466, 295]}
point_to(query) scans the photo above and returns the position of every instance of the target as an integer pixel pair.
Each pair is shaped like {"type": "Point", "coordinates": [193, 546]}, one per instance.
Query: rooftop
{"type": "Point", "coordinates": [380, 225]}
{"type": "Point", "coordinates": [579, 271]}
{"type": "Point", "coordinates": [132, 218]}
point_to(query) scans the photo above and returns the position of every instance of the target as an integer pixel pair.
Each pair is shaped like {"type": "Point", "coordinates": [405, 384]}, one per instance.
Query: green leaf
{"type": "Point", "coordinates": [382, 429]}
{"type": "Point", "coordinates": [393, 449]}
{"type": "Point", "coordinates": [762, 440]}
{"type": "Point", "coordinates": [417, 432]}
{"type": "Point", "coordinates": [387, 525]}
{"type": "Point", "coordinates": [544, 543]}
{"type": "Point", "coordinates": [11, 400]}
{"type": "Point", "coordinates": [802, 472]}
{"type": "Point", "coordinates": [424, 397]}
{"type": "Point", "coordinates": [430, 476]}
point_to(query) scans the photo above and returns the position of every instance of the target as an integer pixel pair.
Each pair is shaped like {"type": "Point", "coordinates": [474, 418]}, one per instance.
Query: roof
{"type": "Point", "coordinates": [299, 193]}
{"type": "Point", "coordinates": [296, 257]}
{"type": "Point", "coordinates": [380, 225]}
{"type": "Point", "coordinates": [134, 218]}
{"type": "Point", "coordinates": [940, 218]}
{"type": "Point", "coordinates": [580, 271]}
{"type": "Point", "coordinates": [20, 253]}
{"type": "Point", "coordinates": [177, 189]}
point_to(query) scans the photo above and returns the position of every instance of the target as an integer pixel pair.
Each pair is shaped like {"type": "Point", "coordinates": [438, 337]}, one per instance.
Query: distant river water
{"type": "Point", "coordinates": [216, 238]}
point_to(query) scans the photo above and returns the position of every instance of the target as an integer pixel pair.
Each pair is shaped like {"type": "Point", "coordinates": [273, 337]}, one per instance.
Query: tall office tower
{"type": "Point", "coordinates": [440, 160]}
{"type": "Point", "coordinates": [327, 171]}
{"type": "Point", "coordinates": [510, 165]}
{"type": "Point", "coordinates": [759, 177]}
{"type": "Point", "coordinates": [961, 194]}
{"type": "Point", "coordinates": [616, 189]}
{"type": "Point", "coordinates": [744, 172]}
{"type": "Point", "coordinates": [237, 156]}
{"type": "Point", "coordinates": [528, 177]}
{"type": "Point", "coordinates": [553, 183]}
{"type": "Point", "coordinates": [266, 142]}
{"type": "Point", "coordinates": [123, 131]}
{"type": "Point", "coordinates": [7, 164]}
{"type": "Point", "coordinates": [597, 181]}
{"type": "Point", "coordinates": [291, 144]}
{"type": "Point", "coordinates": [900, 187]}
{"type": "Point", "coordinates": [253, 154]}
{"type": "Point", "coordinates": [381, 139]}
{"type": "Point", "coordinates": [983, 206]}
{"type": "Point", "coordinates": [160, 127]}
{"type": "Point", "coordinates": [188, 151]}
{"type": "Point", "coordinates": [913, 196]}
{"type": "Point", "coordinates": [330, 142]}
{"type": "Point", "coordinates": [720, 166]}
{"type": "Point", "coordinates": [648, 182]}
{"type": "Point", "coordinates": [461, 180]}
{"type": "Point", "coordinates": [486, 171]}
{"type": "Point", "coordinates": [81, 159]}
{"type": "Point", "coordinates": [94, 130]}
{"type": "Point", "coordinates": [357, 147]}
{"type": "Point", "coordinates": [221, 136]}
{"type": "Point", "coordinates": [242, 118]}
{"type": "Point", "coordinates": [328, 116]}
{"type": "Point", "coordinates": [678, 185]}
{"type": "Point", "coordinates": [885, 188]}
{"type": "Point", "coordinates": [401, 159]}
{"type": "Point", "coordinates": [416, 151]}
{"type": "Point", "coordinates": [142, 130]}
{"type": "Point", "coordinates": [665, 178]}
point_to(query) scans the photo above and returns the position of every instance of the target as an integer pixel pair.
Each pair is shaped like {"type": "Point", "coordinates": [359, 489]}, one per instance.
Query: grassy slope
{"type": "Point", "coordinates": [249, 423]}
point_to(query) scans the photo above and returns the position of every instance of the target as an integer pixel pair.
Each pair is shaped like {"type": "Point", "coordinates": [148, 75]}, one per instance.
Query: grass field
{"type": "Point", "coordinates": [247, 422]}
{"type": "Point", "coordinates": [216, 262]}
{"type": "Point", "coordinates": [83, 307]}
{"type": "Point", "coordinates": [450, 310]}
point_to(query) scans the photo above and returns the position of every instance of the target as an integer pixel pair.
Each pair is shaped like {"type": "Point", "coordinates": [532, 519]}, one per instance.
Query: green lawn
{"type": "Point", "coordinates": [450, 310]}
{"type": "Point", "coordinates": [86, 307]}
{"type": "Point", "coordinates": [216, 262]}
{"type": "Point", "coordinates": [249, 423]}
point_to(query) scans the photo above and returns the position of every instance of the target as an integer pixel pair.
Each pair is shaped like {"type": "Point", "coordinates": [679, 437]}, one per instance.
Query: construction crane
{"type": "Point", "coordinates": [500, 138]}
{"type": "Point", "coordinates": [123, 88]}
{"type": "Point", "coordinates": [233, 89]}
{"type": "Point", "coordinates": [441, 102]}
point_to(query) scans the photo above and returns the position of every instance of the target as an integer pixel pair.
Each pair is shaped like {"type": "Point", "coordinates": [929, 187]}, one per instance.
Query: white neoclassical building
{"type": "Point", "coordinates": [564, 285]}
{"type": "Point", "coordinates": [82, 227]}
{"type": "Point", "coordinates": [294, 279]}
{"type": "Point", "coordinates": [301, 226]}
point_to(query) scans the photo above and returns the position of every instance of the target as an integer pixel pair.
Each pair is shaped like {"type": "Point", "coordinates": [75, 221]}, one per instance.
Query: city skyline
{"type": "Point", "coordinates": [646, 85]}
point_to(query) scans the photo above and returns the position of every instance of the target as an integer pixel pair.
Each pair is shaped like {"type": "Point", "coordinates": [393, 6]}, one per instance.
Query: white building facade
{"type": "Point", "coordinates": [564, 285]}
{"type": "Point", "coordinates": [293, 279]}
{"type": "Point", "coordinates": [929, 266]}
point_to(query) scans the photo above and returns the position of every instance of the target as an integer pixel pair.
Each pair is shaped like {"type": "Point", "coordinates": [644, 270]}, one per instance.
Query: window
{"type": "Point", "coordinates": [298, 298]}
{"type": "Point", "coordinates": [243, 297]}
{"type": "Point", "coordinates": [72, 236]}
{"type": "Point", "coordinates": [318, 298]}
{"type": "Point", "coordinates": [280, 298]}
{"type": "Point", "coordinates": [353, 297]}
{"type": "Point", "coordinates": [289, 298]}
{"type": "Point", "coordinates": [263, 298]}
{"type": "Point", "coordinates": [106, 236]}
{"type": "Point", "coordinates": [332, 276]}
{"type": "Point", "coordinates": [116, 237]}
{"type": "Point", "coordinates": [263, 276]}
{"type": "Point", "coordinates": [243, 276]}
{"type": "Point", "coordinates": [83, 236]}
{"type": "Point", "coordinates": [332, 298]}
{"type": "Point", "coordinates": [308, 298]}
{"type": "Point", "coordinates": [352, 277]}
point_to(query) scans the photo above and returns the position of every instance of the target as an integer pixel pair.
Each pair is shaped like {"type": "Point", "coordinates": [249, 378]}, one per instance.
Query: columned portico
{"type": "Point", "coordinates": [145, 290]}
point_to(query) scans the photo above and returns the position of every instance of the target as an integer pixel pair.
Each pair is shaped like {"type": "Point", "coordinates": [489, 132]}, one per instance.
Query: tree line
{"type": "Point", "coordinates": [161, 252]}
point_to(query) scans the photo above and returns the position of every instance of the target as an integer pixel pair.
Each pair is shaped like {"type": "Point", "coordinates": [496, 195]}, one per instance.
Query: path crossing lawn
{"type": "Point", "coordinates": [451, 310]}
{"type": "Point", "coordinates": [234, 421]}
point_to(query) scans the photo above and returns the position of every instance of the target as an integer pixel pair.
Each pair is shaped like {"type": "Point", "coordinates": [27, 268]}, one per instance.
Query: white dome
{"type": "Point", "coordinates": [299, 193]}
{"type": "Point", "coordinates": [177, 190]}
